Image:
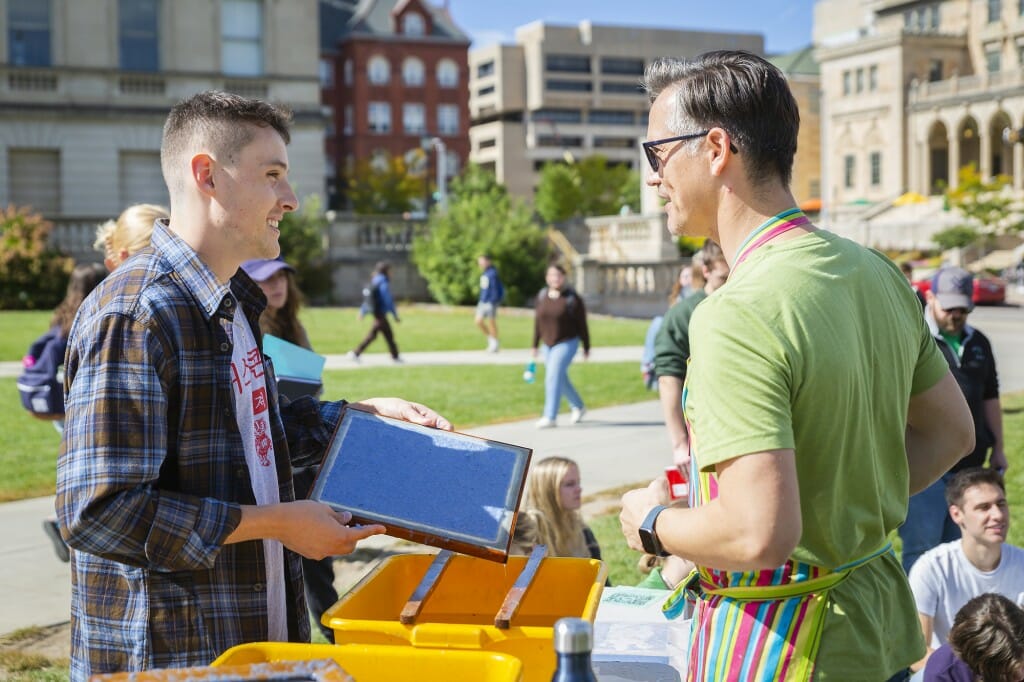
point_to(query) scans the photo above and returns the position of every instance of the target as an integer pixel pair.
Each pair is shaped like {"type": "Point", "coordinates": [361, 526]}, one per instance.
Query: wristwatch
{"type": "Point", "coordinates": [648, 536]}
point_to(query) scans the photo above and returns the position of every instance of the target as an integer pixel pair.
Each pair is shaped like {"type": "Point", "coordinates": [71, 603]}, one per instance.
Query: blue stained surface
{"type": "Point", "coordinates": [434, 481]}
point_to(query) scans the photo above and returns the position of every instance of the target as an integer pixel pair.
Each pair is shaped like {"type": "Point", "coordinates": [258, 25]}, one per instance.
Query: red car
{"type": "Point", "coordinates": [988, 290]}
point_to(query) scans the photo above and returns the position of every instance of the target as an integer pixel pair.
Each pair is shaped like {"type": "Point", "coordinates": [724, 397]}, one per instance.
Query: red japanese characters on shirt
{"type": "Point", "coordinates": [252, 368]}
{"type": "Point", "coordinates": [263, 442]}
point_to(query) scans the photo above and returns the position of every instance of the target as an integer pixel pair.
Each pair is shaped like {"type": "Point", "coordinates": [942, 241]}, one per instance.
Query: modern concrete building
{"type": "Point", "coordinates": [913, 91]}
{"type": "Point", "coordinates": [394, 73]}
{"type": "Point", "coordinates": [85, 86]}
{"type": "Point", "coordinates": [566, 92]}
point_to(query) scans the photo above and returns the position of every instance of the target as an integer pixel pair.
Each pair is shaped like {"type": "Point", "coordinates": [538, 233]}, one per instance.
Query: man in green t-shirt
{"type": "Point", "coordinates": [815, 400]}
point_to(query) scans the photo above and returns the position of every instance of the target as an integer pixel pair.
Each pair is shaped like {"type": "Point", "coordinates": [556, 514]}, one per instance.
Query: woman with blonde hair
{"type": "Point", "coordinates": [553, 500]}
{"type": "Point", "coordinates": [119, 239]}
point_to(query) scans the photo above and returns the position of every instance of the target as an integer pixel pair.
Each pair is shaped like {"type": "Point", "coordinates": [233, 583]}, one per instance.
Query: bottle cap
{"type": "Point", "coordinates": [573, 636]}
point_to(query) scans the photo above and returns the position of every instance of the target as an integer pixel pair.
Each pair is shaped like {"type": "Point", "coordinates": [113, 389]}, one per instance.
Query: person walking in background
{"type": "Point", "coordinates": [672, 350]}
{"type": "Point", "coordinates": [41, 382]}
{"type": "Point", "coordinates": [174, 480]}
{"type": "Point", "coordinates": [378, 302]}
{"type": "Point", "coordinates": [560, 321]}
{"type": "Point", "coordinates": [970, 358]}
{"type": "Point", "coordinates": [552, 501]}
{"type": "Point", "coordinates": [492, 291]}
{"type": "Point", "coordinates": [281, 318]}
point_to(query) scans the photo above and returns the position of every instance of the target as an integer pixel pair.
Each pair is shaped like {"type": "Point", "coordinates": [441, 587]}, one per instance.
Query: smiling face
{"type": "Point", "coordinates": [570, 493]}
{"type": "Point", "coordinates": [679, 180]}
{"type": "Point", "coordinates": [984, 516]}
{"type": "Point", "coordinates": [253, 194]}
{"type": "Point", "coordinates": [554, 278]}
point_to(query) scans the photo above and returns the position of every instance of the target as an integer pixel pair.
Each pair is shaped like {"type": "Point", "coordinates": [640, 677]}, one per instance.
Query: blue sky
{"type": "Point", "coordinates": [786, 24]}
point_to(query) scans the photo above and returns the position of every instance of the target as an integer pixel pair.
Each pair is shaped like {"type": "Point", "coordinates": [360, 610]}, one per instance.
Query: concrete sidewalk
{"type": "Point", "coordinates": [613, 445]}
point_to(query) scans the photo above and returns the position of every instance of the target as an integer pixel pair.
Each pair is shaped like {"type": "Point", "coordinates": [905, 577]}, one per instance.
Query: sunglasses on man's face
{"type": "Point", "coordinates": [652, 155]}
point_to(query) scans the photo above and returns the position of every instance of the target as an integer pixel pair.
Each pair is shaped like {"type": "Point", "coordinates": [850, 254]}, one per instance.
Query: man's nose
{"type": "Point", "coordinates": [289, 202]}
{"type": "Point", "coordinates": [652, 177]}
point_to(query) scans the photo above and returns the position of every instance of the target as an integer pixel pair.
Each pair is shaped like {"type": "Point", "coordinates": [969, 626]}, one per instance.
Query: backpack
{"type": "Point", "coordinates": [371, 299]}
{"type": "Point", "coordinates": [41, 383]}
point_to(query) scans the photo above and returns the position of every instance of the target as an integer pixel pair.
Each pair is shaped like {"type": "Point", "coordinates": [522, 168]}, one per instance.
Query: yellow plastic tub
{"type": "Point", "coordinates": [459, 613]}
{"type": "Point", "coordinates": [370, 663]}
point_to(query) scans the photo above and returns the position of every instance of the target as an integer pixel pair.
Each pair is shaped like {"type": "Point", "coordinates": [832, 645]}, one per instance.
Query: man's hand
{"type": "Point", "coordinates": [315, 531]}
{"type": "Point", "coordinates": [404, 410]}
{"type": "Point", "coordinates": [998, 460]}
{"type": "Point", "coordinates": [636, 504]}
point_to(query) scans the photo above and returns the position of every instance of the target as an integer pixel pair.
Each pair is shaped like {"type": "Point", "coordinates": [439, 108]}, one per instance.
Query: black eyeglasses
{"type": "Point", "coordinates": [652, 157]}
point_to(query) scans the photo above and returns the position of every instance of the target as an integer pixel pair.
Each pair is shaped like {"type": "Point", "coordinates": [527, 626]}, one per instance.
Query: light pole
{"type": "Point", "coordinates": [442, 166]}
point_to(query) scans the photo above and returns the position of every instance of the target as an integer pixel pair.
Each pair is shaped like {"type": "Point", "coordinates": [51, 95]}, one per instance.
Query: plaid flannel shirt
{"type": "Point", "coordinates": [152, 471]}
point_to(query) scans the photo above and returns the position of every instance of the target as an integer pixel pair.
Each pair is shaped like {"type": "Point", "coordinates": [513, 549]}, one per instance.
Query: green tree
{"type": "Point", "coordinates": [481, 217]}
{"type": "Point", "coordinates": [375, 190]}
{"type": "Point", "coordinates": [33, 276]}
{"type": "Point", "coordinates": [990, 206]}
{"type": "Point", "coordinates": [302, 245]}
{"type": "Point", "coordinates": [958, 237]}
{"type": "Point", "coordinates": [589, 187]}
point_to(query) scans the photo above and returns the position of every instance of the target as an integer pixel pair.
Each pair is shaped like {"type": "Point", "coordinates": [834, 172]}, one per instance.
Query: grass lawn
{"type": "Point", "coordinates": [622, 560]}
{"type": "Point", "coordinates": [468, 396]}
{"type": "Point", "coordinates": [337, 330]}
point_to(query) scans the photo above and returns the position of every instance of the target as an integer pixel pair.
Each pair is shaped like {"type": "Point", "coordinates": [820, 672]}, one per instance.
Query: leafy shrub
{"type": "Point", "coordinates": [302, 245]}
{"type": "Point", "coordinates": [33, 276]}
{"type": "Point", "coordinates": [481, 218]}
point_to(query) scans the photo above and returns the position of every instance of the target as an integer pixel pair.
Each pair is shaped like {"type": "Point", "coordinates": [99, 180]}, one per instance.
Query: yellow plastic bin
{"type": "Point", "coordinates": [372, 663]}
{"type": "Point", "coordinates": [459, 613]}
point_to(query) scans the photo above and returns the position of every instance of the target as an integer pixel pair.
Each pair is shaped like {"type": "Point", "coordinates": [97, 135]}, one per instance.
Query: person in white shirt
{"type": "Point", "coordinates": [948, 576]}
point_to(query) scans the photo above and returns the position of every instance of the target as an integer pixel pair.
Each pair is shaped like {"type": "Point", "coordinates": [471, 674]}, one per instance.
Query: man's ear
{"type": "Point", "coordinates": [721, 149]}
{"type": "Point", "coordinates": [201, 168]}
{"type": "Point", "coordinates": [956, 514]}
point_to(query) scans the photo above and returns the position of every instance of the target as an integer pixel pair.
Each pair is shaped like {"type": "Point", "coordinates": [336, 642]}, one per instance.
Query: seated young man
{"type": "Point", "coordinates": [948, 576]}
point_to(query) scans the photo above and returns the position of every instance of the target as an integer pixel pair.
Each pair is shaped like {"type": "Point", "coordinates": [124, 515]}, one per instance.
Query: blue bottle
{"type": "Point", "coordinates": [574, 640]}
{"type": "Point", "coordinates": [530, 373]}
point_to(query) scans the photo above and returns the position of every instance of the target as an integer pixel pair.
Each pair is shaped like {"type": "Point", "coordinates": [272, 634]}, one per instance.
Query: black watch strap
{"type": "Point", "coordinates": [648, 536]}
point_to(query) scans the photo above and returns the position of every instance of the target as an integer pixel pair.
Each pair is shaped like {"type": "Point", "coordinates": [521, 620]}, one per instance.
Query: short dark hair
{"type": "Point", "coordinates": [219, 120]}
{"type": "Point", "coordinates": [968, 478]}
{"type": "Point", "coordinates": [988, 635]}
{"type": "Point", "coordinates": [382, 267]}
{"type": "Point", "coordinates": [740, 92]}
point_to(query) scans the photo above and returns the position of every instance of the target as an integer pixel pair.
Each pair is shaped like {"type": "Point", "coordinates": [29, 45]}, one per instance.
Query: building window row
{"type": "Point", "coordinates": [594, 116]}
{"type": "Point", "coordinates": [622, 66]}
{"type": "Point", "coordinates": [572, 63]}
{"type": "Point", "coordinates": [567, 63]}
{"type": "Point", "coordinates": [378, 70]}
{"type": "Point", "coordinates": [485, 69]}
{"type": "Point", "coordinates": [850, 170]}
{"type": "Point", "coordinates": [615, 88]}
{"type": "Point", "coordinates": [609, 117]}
{"type": "Point", "coordinates": [922, 19]}
{"type": "Point", "coordinates": [559, 141]}
{"type": "Point", "coordinates": [856, 81]}
{"type": "Point", "coordinates": [486, 90]}
{"type": "Point", "coordinates": [568, 86]}
{"type": "Point", "coordinates": [413, 118]}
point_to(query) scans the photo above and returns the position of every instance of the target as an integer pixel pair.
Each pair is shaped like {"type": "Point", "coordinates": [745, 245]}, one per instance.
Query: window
{"type": "Point", "coordinates": [380, 117]}
{"type": "Point", "coordinates": [347, 71]}
{"type": "Point", "coordinates": [848, 168]}
{"type": "Point", "coordinates": [1020, 55]}
{"type": "Point", "coordinates": [935, 71]}
{"type": "Point", "coordinates": [569, 86]}
{"type": "Point", "coordinates": [139, 35]}
{"type": "Point", "coordinates": [567, 62]}
{"type": "Point", "coordinates": [623, 66]}
{"type": "Point", "coordinates": [28, 32]}
{"type": "Point", "coordinates": [814, 188]}
{"type": "Point", "coordinates": [847, 82]}
{"type": "Point", "coordinates": [485, 90]}
{"type": "Point", "coordinates": [814, 101]}
{"type": "Point", "coordinates": [873, 78]}
{"type": "Point", "coordinates": [241, 27]}
{"type": "Point", "coordinates": [995, 9]}
{"type": "Point", "coordinates": [346, 123]}
{"type": "Point", "coordinates": [487, 144]}
{"type": "Point", "coordinates": [612, 117]}
{"type": "Point", "coordinates": [1020, 8]}
{"type": "Point", "coordinates": [559, 141]}
{"type": "Point", "coordinates": [487, 68]}
{"type": "Point", "coordinates": [447, 73]}
{"type": "Point", "coordinates": [860, 80]}
{"type": "Point", "coordinates": [413, 24]}
{"type": "Point", "coordinates": [876, 168]}
{"type": "Point", "coordinates": [615, 142]}
{"type": "Point", "coordinates": [413, 119]}
{"type": "Point", "coordinates": [140, 179]}
{"type": "Point", "coordinates": [412, 72]}
{"type": "Point", "coordinates": [622, 88]}
{"type": "Point", "coordinates": [993, 61]}
{"type": "Point", "coordinates": [447, 119]}
{"type": "Point", "coordinates": [379, 70]}
{"type": "Point", "coordinates": [34, 176]}
{"type": "Point", "coordinates": [936, 20]}
{"type": "Point", "coordinates": [326, 73]}
{"type": "Point", "coordinates": [558, 115]}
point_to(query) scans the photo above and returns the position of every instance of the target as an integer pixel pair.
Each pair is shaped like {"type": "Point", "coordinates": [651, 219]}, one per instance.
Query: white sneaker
{"type": "Point", "coordinates": [351, 355]}
{"type": "Point", "coordinates": [492, 344]}
{"type": "Point", "coordinates": [398, 361]}
{"type": "Point", "coordinates": [545, 423]}
{"type": "Point", "coordinates": [577, 414]}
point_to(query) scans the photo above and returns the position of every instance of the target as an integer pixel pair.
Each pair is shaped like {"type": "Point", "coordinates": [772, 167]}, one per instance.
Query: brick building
{"type": "Point", "coordinates": [395, 75]}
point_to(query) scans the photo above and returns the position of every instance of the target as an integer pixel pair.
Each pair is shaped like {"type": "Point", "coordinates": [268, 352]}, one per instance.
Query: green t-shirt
{"type": "Point", "coordinates": [672, 343]}
{"type": "Point", "coordinates": [817, 344]}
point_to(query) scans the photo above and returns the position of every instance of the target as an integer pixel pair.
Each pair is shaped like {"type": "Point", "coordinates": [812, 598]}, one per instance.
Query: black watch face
{"type": "Point", "coordinates": [650, 542]}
